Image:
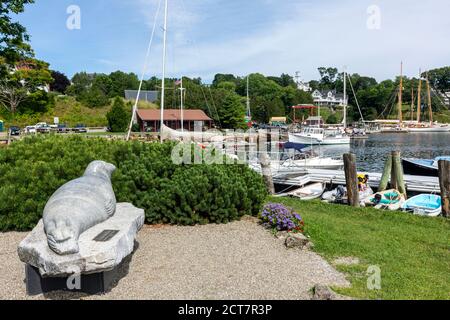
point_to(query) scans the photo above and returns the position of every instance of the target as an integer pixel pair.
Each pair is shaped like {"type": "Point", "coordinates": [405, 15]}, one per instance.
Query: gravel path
{"type": "Point", "coordinates": [239, 260]}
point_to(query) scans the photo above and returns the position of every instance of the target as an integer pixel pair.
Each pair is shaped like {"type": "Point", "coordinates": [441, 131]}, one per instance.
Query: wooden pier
{"type": "Point", "coordinates": [413, 183]}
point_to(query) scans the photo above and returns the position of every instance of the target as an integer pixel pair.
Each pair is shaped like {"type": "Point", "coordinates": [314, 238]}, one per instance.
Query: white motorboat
{"type": "Point", "coordinates": [294, 162]}
{"type": "Point", "coordinates": [319, 136]}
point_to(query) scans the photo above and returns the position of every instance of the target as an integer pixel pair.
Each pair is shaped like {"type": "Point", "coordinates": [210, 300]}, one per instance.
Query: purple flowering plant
{"type": "Point", "coordinates": [277, 217]}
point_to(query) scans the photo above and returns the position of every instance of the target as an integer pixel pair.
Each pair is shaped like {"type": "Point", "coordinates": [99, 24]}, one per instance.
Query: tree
{"type": "Point", "coordinates": [439, 78]}
{"type": "Point", "coordinates": [60, 82]}
{"type": "Point", "coordinates": [231, 110]}
{"type": "Point", "coordinates": [227, 85]}
{"type": "Point", "coordinates": [13, 36]}
{"type": "Point", "coordinates": [219, 78]}
{"type": "Point", "coordinates": [118, 117]}
{"type": "Point", "coordinates": [332, 119]}
{"type": "Point", "coordinates": [328, 77]}
{"type": "Point", "coordinates": [121, 81]}
{"type": "Point", "coordinates": [11, 95]}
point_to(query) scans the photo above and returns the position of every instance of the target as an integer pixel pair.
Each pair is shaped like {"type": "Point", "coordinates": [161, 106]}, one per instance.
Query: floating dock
{"type": "Point", "coordinates": [413, 183]}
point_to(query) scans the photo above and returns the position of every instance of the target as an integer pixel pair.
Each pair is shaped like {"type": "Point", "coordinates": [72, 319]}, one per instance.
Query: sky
{"type": "Point", "coordinates": [205, 37]}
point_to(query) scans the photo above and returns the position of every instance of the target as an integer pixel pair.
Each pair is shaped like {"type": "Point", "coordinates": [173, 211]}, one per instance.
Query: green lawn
{"type": "Point", "coordinates": [412, 252]}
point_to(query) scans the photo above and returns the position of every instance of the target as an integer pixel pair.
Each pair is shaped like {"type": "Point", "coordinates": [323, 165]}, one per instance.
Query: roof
{"type": "Point", "coordinates": [278, 119]}
{"type": "Point", "coordinates": [172, 115]}
{"type": "Point", "coordinates": [314, 118]}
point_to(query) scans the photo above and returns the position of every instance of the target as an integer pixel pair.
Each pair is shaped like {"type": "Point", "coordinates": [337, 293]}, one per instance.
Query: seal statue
{"type": "Point", "coordinates": [79, 205]}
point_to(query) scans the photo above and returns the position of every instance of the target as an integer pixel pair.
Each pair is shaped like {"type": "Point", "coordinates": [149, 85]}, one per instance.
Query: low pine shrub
{"type": "Point", "coordinates": [32, 169]}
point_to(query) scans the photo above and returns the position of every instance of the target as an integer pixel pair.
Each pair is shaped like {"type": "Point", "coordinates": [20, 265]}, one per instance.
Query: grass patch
{"type": "Point", "coordinates": [412, 252]}
{"type": "Point", "coordinates": [70, 112]}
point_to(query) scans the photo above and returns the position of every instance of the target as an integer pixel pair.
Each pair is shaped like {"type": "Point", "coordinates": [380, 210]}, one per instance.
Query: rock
{"type": "Point", "coordinates": [93, 256]}
{"type": "Point", "coordinates": [321, 292]}
{"type": "Point", "coordinates": [296, 240]}
{"type": "Point", "coordinates": [282, 234]}
{"type": "Point", "coordinates": [346, 261]}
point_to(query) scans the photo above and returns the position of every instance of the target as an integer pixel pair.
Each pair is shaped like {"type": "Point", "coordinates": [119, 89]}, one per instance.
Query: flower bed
{"type": "Point", "coordinates": [277, 217]}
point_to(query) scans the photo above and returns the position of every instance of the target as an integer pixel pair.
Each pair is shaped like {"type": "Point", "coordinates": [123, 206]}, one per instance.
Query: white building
{"type": "Point", "coordinates": [304, 86]}
{"type": "Point", "coordinates": [328, 98]}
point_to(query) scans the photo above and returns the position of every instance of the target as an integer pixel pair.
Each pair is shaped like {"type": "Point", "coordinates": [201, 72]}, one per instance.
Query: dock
{"type": "Point", "coordinates": [413, 183]}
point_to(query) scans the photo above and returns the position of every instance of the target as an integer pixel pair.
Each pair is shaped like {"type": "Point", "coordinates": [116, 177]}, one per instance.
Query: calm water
{"type": "Point", "coordinates": [372, 153]}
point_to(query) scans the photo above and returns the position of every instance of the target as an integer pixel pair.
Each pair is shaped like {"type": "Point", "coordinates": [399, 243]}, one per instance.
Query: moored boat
{"type": "Point", "coordinates": [424, 204]}
{"type": "Point", "coordinates": [310, 192]}
{"type": "Point", "coordinates": [390, 200]}
{"type": "Point", "coordinates": [422, 167]}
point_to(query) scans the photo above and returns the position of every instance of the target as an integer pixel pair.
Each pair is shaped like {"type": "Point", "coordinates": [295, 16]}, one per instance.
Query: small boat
{"type": "Point", "coordinates": [390, 200]}
{"type": "Point", "coordinates": [319, 136]}
{"type": "Point", "coordinates": [424, 204]}
{"type": "Point", "coordinates": [339, 195]}
{"type": "Point", "coordinates": [310, 192]}
{"type": "Point", "coordinates": [422, 167]}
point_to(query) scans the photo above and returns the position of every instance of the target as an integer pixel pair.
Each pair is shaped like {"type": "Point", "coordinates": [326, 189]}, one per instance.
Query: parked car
{"type": "Point", "coordinates": [30, 129]}
{"type": "Point", "coordinates": [42, 127]}
{"type": "Point", "coordinates": [14, 131]}
{"type": "Point", "coordinates": [80, 128]}
{"type": "Point", "coordinates": [62, 128]}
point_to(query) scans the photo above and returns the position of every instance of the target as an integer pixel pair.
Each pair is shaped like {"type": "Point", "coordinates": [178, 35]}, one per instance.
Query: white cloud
{"type": "Point", "coordinates": [311, 34]}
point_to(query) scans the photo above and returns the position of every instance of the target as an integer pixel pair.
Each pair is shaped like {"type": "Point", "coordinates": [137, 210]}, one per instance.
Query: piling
{"type": "Point", "coordinates": [397, 176]}
{"type": "Point", "coordinates": [351, 179]}
{"type": "Point", "coordinates": [266, 170]}
{"type": "Point", "coordinates": [444, 182]}
{"type": "Point", "coordinates": [386, 174]}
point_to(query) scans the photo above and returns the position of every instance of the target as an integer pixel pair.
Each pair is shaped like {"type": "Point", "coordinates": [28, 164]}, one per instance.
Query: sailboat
{"type": "Point", "coordinates": [426, 127]}
{"type": "Point", "coordinates": [316, 135]}
{"type": "Point", "coordinates": [400, 128]}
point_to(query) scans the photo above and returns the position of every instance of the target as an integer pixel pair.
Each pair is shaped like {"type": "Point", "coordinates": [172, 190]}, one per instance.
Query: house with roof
{"type": "Point", "coordinates": [328, 98]}
{"type": "Point", "coordinates": [149, 120]}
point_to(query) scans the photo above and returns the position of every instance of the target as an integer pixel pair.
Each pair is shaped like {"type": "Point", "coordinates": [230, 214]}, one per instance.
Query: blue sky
{"type": "Point", "coordinates": [206, 37]}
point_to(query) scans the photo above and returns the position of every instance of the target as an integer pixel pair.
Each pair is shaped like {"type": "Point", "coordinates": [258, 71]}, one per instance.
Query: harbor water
{"type": "Point", "coordinates": [371, 153]}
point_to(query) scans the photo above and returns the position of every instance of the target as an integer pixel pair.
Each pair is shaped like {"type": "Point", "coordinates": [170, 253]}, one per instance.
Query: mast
{"type": "Point", "coordinates": [345, 99]}
{"type": "Point", "coordinates": [181, 105]}
{"type": "Point", "coordinates": [430, 109]}
{"type": "Point", "coordinates": [419, 97]}
{"type": "Point", "coordinates": [249, 114]}
{"type": "Point", "coordinates": [163, 87]}
{"type": "Point", "coordinates": [412, 103]}
{"type": "Point", "coordinates": [400, 97]}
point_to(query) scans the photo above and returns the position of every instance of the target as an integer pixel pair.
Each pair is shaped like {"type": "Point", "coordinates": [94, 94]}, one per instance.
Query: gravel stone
{"type": "Point", "coordinates": [239, 260]}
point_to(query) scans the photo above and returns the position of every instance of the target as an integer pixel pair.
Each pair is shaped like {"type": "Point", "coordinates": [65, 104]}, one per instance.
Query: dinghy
{"type": "Point", "coordinates": [339, 195]}
{"type": "Point", "coordinates": [310, 192]}
{"type": "Point", "coordinates": [424, 204]}
{"type": "Point", "coordinates": [389, 200]}
{"type": "Point", "coordinates": [422, 167]}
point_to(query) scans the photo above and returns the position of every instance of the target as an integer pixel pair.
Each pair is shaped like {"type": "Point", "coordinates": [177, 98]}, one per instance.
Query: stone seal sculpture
{"type": "Point", "coordinates": [79, 205]}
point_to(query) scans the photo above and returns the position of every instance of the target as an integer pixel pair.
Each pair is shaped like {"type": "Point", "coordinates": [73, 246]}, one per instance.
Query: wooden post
{"type": "Point", "coordinates": [444, 182]}
{"type": "Point", "coordinates": [397, 179]}
{"type": "Point", "coordinates": [267, 172]}
{"type": "Point", "coordinates": [351, 178]}
{"type": "Point", "coordinates": [386, 174]}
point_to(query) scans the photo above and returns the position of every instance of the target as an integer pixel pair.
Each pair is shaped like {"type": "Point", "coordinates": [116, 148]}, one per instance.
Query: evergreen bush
{"type": "Point", "coordinates": [32, 169]}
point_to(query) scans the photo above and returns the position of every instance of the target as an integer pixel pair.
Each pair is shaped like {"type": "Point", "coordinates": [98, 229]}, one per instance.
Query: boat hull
{"type": "Point", "coordinates": [297, 138]}
{"type": "Point", "coordinates": [412, 167]}
{"type": "Point", "coordinates": [429, 130]}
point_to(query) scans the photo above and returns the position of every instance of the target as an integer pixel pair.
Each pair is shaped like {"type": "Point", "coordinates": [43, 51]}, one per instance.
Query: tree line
{"type": "Point", "coordinates": [23, 78]}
